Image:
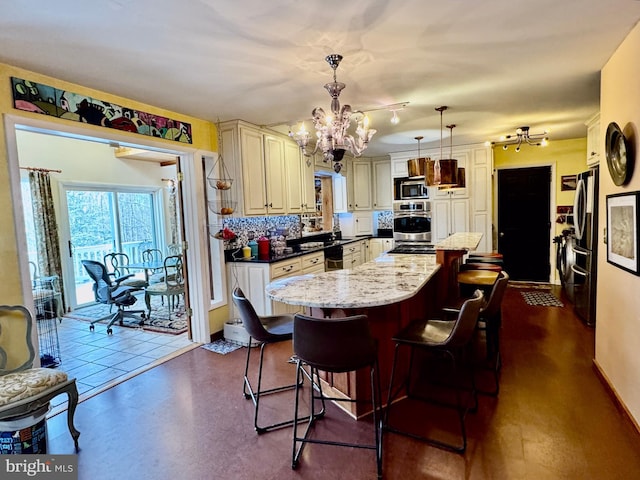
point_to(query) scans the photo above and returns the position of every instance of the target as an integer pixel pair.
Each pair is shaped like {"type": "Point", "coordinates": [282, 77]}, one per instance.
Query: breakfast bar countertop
{"type": "Point", "coordinates": [460, 241]}
{"type": "Point", "coordinates": [387, 279]}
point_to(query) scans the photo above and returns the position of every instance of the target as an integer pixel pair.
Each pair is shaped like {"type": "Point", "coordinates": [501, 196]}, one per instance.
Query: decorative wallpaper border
{"type": "Point", "coordinates": [39, 98]}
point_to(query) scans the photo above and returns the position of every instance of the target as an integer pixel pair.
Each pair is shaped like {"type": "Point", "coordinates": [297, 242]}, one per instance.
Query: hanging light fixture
{"type": "Point", "coordinates": [331, 130]}
{"type": "Point", "coordinates": [522, 135]}
{"type": "Point", "coordinates": [442, 172]}
{"type": "Point", "coordinates": [416, 166]}
{"type": "Point", "coordinates": [461, 178]}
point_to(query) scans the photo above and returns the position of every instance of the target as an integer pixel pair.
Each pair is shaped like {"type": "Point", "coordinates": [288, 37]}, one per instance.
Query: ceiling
{"type": "Point", "coordinates": [496, 64]}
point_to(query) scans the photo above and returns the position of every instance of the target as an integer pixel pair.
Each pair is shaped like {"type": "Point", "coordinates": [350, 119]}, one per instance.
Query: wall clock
{"type": "Point", "coordinates": [619, 155]}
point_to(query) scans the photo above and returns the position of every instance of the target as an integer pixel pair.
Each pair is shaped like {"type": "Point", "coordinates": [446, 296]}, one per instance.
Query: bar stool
{"type": "Point", "coordinates": [266, 330]}
{"type": "Point", "coordinates": [334, 345]}
{"type": "Point", "coordinates": [470, 280]}
{"type": "Point", "coordinates": [447, 338]}
{"type": "Point", "coordinates": [489, 322]}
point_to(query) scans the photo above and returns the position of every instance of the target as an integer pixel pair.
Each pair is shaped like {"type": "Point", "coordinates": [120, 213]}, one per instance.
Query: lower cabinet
{"type": "Point", "coordinates": [253, 278]}
{"type": "Point", "coordinates": [354, 254]}
{"type": "Point", "coordinates": [378, 246]}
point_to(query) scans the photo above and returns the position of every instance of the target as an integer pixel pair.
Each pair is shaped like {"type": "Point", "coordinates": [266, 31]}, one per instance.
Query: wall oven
{"type": "Point", "coordinates": [412, 221]}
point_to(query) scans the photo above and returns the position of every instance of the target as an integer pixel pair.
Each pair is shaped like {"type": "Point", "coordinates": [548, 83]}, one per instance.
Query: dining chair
{"type": "Point", "coordinates": [439, 339]}
{"type": "Point", "coordinates": [153, 255]}
{"type": "Point", "coordinates": [335, 345]}
{"type": "Point", "coordinates": [171, 286]}
{"type": "Point", "coordinates": [118, 265]}
{"type": "Point", "coordinates": [24, 389]}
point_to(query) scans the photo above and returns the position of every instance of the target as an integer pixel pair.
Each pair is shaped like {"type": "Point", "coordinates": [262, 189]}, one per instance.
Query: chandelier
{"type": "Point", "coordinates": [331, 129]}
{"type": "Point", "coordinates": [522, 135]}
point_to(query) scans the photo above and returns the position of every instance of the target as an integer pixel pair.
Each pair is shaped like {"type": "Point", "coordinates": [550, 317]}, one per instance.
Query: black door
{"type": "Point", "coordinates": [523, 222]}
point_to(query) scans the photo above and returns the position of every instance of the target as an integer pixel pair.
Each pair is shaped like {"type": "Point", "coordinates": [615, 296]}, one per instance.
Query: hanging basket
{"type": "Point", "coordinates": [223, 233]}
{"type": "Point", "coordinates": [220, 183]}
{"type": "Point", "coordinates": [222, 180]}
{"type": "Point", "coordinates": [222, 207]}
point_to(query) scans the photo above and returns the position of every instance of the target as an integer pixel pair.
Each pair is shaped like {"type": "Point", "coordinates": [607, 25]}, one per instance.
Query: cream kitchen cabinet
{"type": "Point", "coordinates": [363, 223]}
{"type": "Point", "coordinates": [253, 278]}
{"type": "Point", "coordinates": [257, 160]}
{"type": "Point", "coordinates": [354, 254]}
{"type": "Point", "coordinates": [362, 198]}
{"type": "Point", "coordinates": [463, 157]}
{"type": "Point", "coordinates": [449, 217]}
{"type": "Point", "coordinates": [593, 140]}
{"type": "Point", "coordinates": [295, 180]}
{"type": "Point", "coordinates": [378, 246]}
{"type": "Point", "coordinates": [313, 263]}
{"type": "Point", "coordinates": [308, 186]}
{"type": "Point", "coordinates": [275, 175]}
{"type": "Point", "coordinates": [382, 185]}
{"type": "Point", "coordinates": [340, 201]}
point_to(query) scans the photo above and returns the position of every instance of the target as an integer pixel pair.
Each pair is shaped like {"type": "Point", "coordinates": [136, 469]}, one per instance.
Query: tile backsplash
{"type": "Point", "coordinates": [244, 227]}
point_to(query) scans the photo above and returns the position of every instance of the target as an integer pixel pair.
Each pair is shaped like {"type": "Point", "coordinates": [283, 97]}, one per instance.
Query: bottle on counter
{"type": "Point", "coordinates": [253, 245]}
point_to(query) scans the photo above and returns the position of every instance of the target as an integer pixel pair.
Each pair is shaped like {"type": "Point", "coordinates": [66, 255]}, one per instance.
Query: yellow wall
{"type": "Point", "coordinates": [618, 302]}
{"type": "Point", "coordinates": [568, 156]}
{"type": "Point", "coordinates": [203, 136]}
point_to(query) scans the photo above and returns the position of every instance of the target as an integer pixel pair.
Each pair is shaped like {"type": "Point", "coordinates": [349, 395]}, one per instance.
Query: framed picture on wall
{"type": "Point", "coordinates": [568, 182]}
{"type": "Point", "coordinates": [622, 231]}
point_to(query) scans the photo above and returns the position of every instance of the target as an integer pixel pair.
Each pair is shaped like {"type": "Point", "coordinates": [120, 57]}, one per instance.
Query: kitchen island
{"type": "Point", "coordinates": [391, 290]}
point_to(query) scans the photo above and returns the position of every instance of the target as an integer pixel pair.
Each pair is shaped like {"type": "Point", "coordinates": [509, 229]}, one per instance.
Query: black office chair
{"type": "Point", "coordinates": [110, 292]}
{"type": "Point", "coordinates": [334, 345]}
{"type": "Point", "coordinates": [445, 338]}
{"type": "Point", "coordinates": [265, 330]}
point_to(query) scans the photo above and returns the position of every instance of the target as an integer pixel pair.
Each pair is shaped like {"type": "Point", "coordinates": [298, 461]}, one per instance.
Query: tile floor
{"type": "Point", "coordinates": [98, 360]}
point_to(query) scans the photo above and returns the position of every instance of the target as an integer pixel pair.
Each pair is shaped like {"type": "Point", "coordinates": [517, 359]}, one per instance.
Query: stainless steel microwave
{"type": "Point", "coordinates": [412, 189]}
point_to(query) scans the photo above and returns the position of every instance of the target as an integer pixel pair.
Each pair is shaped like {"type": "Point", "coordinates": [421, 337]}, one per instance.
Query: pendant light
{"type": "Point", "coordinates": [461, 173]}
{"type": "Point", "coordinates": [442, 172]}
{"type": "Point", "coordinates": [416, 166]}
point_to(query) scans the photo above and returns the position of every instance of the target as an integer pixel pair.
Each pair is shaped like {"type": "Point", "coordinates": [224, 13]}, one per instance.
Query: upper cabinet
{"type": "Point", "coordinates": [362, 198]}
{"type": "Point", "coordinates": [270, 177]}
{"type": "Point", "coordinates": [382, 185]}
{"type": "Point", "coordinates": [463, 157]}
{"type": "Point", "coordinates": [593, 140]}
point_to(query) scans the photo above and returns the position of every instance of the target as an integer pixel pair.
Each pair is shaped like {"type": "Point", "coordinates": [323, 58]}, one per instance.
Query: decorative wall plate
{"type": "Point", "coordinates": [619, 156]}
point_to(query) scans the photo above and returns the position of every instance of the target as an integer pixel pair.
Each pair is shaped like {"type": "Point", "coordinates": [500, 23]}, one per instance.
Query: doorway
{"type": "Point", "coordinates": [524, 222]}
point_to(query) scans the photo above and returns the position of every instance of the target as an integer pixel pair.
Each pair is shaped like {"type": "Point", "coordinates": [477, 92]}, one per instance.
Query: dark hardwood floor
{"type": "Point", "coordinates": [187, 419]}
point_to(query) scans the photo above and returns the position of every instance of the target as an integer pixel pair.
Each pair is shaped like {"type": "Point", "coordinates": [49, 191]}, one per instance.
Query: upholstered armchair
{"type": "Point", "coordinates": [24, 389]}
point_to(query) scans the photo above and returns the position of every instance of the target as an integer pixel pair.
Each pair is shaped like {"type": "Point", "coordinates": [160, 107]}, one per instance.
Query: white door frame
{"type": "Point", "coordinates": [198, 273]}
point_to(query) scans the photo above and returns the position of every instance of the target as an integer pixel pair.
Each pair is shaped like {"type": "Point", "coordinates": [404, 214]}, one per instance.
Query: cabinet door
{"type": "Point", "coordinates": [593, 141]}
{"type": "Point", "coordinates": [463, 157]}
{"type": "Point", "coordinates": [340, 194]}
{"type": "Point", "coordinates": [362, 185]}
{"type": "Point", "coordinates": [383, 190]}
{"type": "Point", "coordinates": [375, 248]}
{"type": "Point", "coordinates": [294, 177]}
{"type": "Point", "coordinates": [275, 175]}
{"type": "Point", "coordinates": [363, 223]}
{"type": "Point", "coordinates": [253, 172]}
{"type": "Point", "coordinates": [449, 217]}
{"type": "Point", "coordinates": [252, 279]}
{"type": "Point", "coordinates": [308, 186]}
{"type": "Point", "coordinates": [350, 195]}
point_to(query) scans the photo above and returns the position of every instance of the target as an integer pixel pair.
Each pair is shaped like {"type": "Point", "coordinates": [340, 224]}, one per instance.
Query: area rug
{"type": "Point", "coordinates": [163, 321]}
{"type": "Point", "coordinates": [221, 346]}
{"type": "Point", "coordinates": [541, 299]}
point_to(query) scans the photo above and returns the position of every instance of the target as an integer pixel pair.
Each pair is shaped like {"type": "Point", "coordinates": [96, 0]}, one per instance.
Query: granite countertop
{"type": "Point", "coordinates": [460, 241]}
{"type": "Point", "coordinates": [387, 279]}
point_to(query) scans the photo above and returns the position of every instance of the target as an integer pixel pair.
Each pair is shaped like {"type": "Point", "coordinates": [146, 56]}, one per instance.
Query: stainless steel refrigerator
{"type": "Point", "coordinates": [585, 212]}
